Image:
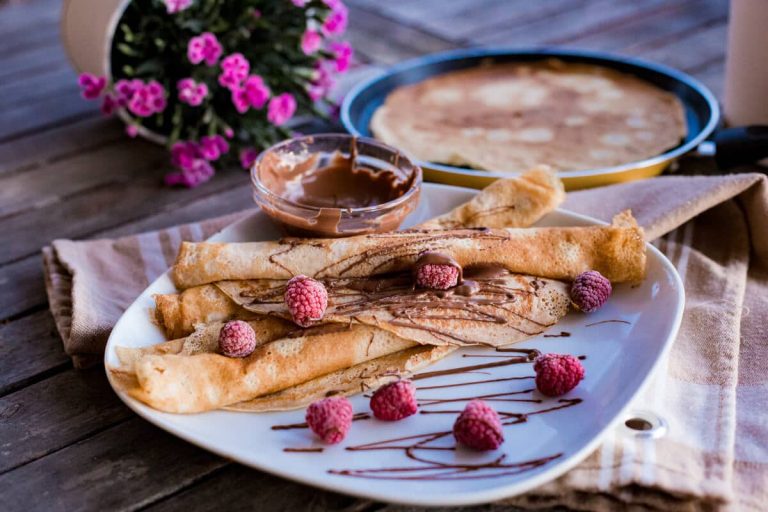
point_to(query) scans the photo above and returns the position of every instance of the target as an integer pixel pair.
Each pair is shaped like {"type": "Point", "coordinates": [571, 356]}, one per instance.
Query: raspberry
{"type": "Point", "coordinates": [478, 427]}
{"type": "Point", "coordinates": [330, 418]}
{"type": "Point", "coordinates": [306, 300]}
{"type": "Point", "coordinates": [237, 339]}
{"type": "Point", "coordinates": [590, 290]}
{"type": "Point", "coordinates": [437, 276]}
{"type": "Point", "coordinates": [394, 401]}
{"type": "Point", "coordinates": [557, 374]}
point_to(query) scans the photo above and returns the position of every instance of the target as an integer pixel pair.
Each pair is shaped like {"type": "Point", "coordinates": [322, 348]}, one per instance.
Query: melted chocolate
{"type": "Point", "coordinates": [303, 450]}
{"type": "Point", "coordinates": [291, 426]}
{"type": "Point", "coordinates": [609, 322]}
{"type": "Point", "coordinates": [563, 334]}
{"type": "Point", "coordinates": [414, 447]}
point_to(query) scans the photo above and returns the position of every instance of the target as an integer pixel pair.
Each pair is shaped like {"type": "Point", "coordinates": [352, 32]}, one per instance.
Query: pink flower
{"type": "Point", "coordinates": [256, 14]}
{"type": "Point", "coordinates": [174, 6]}
{"type": "Point", "coordinates": [191, 92]}
{"type": "Point", "coordinates": [109, 105]}
{"type": "Point", "coordinates": [334, 4]}
{"type": "Point", "coordinates": [336, 22]}
{"type": "Point", "coordinates": [343, 53]}
{"type": "Point", "coordinates": [132, 130]}
{"type": "Point", "coordinates": [91, 85]}
{"type": "Point", "coordinates": [229, 133]}
{"type": "Point", "coordinates": [299, 3]}
{"type": "Point", "coordinates": [204, 47]}
{"type": "Point", "coordinates": [124, 90]}
{"type": "Point", "coordinates": [256, 91]}
{"type": "Point", "coordinates": [247, 157]}
{"type": "Point", "coordinates": [235, 69]}
{"type": "Point", "coordinates": [322, 81]}
{"type": "Point", "coordinates": [212, 147]}
{"type": "Point", "coordinates": [184, 153]}
{"type": "Point", "coordinates": [240, 100]}
{"type": "Point", "coordinates": [281, 108]}
{"type": "Point", "coordinates": [199, 171]}
{"type": "Point", "coordinates": [310, 41]}
{"type": "Point", "coordinates": [147, 100]}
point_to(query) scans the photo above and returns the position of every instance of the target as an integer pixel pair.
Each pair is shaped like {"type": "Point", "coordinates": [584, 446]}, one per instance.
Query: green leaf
{"type": "Point", "coordinates": [127, 50]}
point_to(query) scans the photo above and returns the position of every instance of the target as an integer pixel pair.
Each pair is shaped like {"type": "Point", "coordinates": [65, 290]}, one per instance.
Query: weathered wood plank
{"type": "Point", "coordinates": [661, 27]}
{"type": "Point", "coordinates": [21, 286]}
{"type": "Point", "coordinates": [384, 41]}
{"type": "Point", "coordinates": [110, 204]}
{"type": "Point", "coordinates": [111, 163]}
{"type": "Point", "coordinates": [50, 146]}
{"type": "Point", "coordinates": [54, 413]}
{"type": "Point", "coordinates": [568, 23]}
{"type": "Point", "coordinates": [242, 488]}
{"type": "Point", "coordinates": [28, 347]}
{"type": "Point", "coordinates": [692, 52]}
{"type": "Point", "coordinates": [122, 468]}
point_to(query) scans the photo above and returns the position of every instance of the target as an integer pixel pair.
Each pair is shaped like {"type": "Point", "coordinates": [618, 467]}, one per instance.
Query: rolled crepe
{"type": "Point", "coordinates": [503, 309]}
{"type": "Point", "coordinates": [179, 313]}
{"type": "Point", "coordinates": [517, 202]}
{"type": "Point", "coordinates": [617, 251]}
{"type": "Point", "coordinates": [206, 381]}
{"type": "Point", "coordinates": [348, 381]}
{"type": "Point", "coordinates": [206, 338]}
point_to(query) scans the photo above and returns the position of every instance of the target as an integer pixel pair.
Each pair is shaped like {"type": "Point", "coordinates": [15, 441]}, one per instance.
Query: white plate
{"type": "Point", "coordinates": [620, 357]}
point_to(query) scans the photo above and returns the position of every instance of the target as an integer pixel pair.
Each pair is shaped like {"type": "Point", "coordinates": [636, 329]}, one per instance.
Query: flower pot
{"type": "Point", "coordinates": [87, 31]}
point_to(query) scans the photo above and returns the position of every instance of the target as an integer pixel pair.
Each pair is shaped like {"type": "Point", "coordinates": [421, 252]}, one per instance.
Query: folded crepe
{"type": "Point", "coordinates": [617, 251]}
{"type": "Point", "coordinates": [517, 202]}
{"type": "Point", "coordinates": [204, 381]}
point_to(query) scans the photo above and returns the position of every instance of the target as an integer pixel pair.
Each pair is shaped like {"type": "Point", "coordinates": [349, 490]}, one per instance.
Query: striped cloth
{"type": "Point", "coordinates": [712, 392]}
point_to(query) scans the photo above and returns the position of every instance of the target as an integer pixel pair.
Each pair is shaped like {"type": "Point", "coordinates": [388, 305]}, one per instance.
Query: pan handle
{"type": "Point", "coordinates": [741, 145]}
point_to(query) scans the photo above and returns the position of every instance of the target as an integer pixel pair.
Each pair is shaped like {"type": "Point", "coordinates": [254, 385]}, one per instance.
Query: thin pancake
{"type": "Point", "coordinates": [508, 117]}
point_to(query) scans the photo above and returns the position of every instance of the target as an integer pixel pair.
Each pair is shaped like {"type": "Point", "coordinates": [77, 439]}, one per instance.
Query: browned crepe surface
{"type": "Point", "coordinates": [616, 251]}
{"type": "Point", "coordinates": [349, 381]}
{"type": "Point", "coordinates": [203, 381]}
{"type": "Point", "coordinates": [504, 309]}
{"type": "Point", "coordinates": [509, 117]}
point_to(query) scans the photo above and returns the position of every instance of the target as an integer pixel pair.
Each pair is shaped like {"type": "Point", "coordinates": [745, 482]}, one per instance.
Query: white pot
{"type": "Point", "coordinates": [87, 31]}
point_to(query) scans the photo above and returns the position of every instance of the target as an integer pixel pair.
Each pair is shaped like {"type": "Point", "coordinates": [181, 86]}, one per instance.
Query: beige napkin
{"type": "Point", "coordinates": [712, 392]}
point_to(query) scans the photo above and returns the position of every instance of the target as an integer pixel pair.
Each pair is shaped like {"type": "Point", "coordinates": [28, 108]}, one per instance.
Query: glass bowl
{"type": "Point", "coordinates": [335, 185]}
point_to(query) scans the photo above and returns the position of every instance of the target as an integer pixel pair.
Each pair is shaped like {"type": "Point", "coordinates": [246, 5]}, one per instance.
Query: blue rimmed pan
{"type": "Point", "coordinates": [733, 146]}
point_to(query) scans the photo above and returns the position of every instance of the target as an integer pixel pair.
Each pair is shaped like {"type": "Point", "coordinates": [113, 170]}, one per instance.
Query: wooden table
{"type": "Point", "coordinates": [66, 441]}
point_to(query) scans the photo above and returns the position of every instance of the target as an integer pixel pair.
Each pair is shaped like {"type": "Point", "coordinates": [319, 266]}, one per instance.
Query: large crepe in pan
{"type": "Point", "coordinates": [617, 251]}
{"type": "Point", "coordinates": [205, 381]}
{"type": "Point", "coordinates": [349, 381]}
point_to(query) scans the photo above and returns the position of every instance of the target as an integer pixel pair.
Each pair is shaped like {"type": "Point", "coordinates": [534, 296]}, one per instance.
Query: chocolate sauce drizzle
{"type": "Point", "coordinates": [489, 297]}
{"type": "Point", "coordinates": [563, 334]}
{"type": "Point", "coordinates": [417, 447]}
{"type": "Point", "coordinates": [357, 417]}
{"type": "Point", "coordinates": [608, 322]}
{"type": "Point", "coordinates": [319, 449]}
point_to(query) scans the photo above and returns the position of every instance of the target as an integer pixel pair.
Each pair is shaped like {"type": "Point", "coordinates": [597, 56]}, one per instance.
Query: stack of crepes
{"type": "Point", "coordinates": [377, 326]}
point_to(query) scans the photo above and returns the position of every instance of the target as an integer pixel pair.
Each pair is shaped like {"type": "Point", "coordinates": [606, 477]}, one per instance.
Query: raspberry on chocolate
{"type": "Point", "coordinates": [237, 339]}
{"type": "Point", "coordinates": [306, 299]}
{"type": "Point", "coordinates": [394, 401]}
{"type": "Point", "coordinates": [557, 374]}
{"type": "Point", "coordinates": [590, 290]}
{"type": "Point", "coordinates": [436, 271]}
{"type": "Point", "coordinates": [479, 427]}
{"type": "Point", "coordinates": [330, 418]}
